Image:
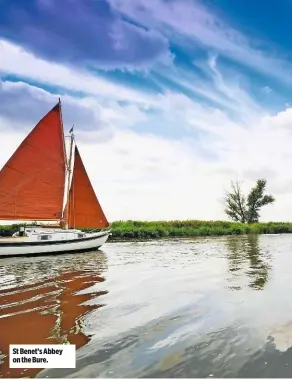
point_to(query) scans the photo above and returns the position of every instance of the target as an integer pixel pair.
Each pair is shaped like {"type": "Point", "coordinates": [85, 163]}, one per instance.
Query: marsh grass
{"type": "Point", "coordinates": [143, 230]}
{"type": "Point", "coordinates": [123, 230]}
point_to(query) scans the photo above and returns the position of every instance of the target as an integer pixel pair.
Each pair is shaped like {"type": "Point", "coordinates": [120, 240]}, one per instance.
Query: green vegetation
{"type": "Point", "coordinates": [246, 209]}
{"type": "Point", "coordinates": [122, 230]}
{"type": "Point", "coordinates": [143, 230]}
{"type": "Point", "coordinates": [8, 230]}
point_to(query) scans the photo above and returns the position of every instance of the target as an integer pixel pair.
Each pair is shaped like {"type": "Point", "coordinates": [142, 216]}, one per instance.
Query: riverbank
{"type": "Point", "coordinates": [128, 230]}
{"type": "Point", "coordinates": [192, 228]}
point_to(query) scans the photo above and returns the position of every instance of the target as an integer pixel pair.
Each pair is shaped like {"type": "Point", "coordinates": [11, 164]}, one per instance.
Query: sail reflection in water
{"type": "Point", "coordinates": [246, 260]}
{"type": "Point", "coordinates": [50, 309]}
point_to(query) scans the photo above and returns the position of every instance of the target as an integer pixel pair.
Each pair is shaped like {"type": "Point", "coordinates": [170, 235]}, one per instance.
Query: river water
{"type": "Point", "coordinates": [176, 308]}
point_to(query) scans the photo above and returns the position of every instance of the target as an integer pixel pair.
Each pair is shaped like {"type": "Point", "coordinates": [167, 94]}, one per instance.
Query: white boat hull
{"type": "Point", "coordinates": [20, 246]}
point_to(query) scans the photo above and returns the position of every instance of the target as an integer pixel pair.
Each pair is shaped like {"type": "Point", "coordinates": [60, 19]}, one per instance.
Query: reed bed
{"type": "Point", "coordinates": [143, 230]}
{"type": "Point", "coordinates": [124, 230]}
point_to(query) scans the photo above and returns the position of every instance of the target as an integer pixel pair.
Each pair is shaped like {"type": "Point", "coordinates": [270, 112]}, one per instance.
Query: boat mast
{"type": "Point", "coordinates": [66, 159]}
{"type": "Point", "coordinates": [69, 170]}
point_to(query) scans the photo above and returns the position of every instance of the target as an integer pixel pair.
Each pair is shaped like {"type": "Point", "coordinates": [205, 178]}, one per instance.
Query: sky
{"type": "Point", "coordinates": [171, 99]}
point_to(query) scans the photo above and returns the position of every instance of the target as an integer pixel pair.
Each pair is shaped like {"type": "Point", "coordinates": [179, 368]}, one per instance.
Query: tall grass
{"type": "Point", "coordinates": [123, 230]}
{"type": "Point", "coordinates": [192, 228]}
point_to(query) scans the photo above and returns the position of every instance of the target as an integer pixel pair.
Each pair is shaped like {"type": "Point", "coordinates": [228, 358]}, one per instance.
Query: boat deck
{"type": "Point", "coordinates": [13, 239]}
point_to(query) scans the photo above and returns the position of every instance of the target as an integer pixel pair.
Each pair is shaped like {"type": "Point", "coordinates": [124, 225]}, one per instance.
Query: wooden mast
{"type": "Point", "coordinates": [69, 176]}
{"type": "Point", "coordinates": [66, 160]}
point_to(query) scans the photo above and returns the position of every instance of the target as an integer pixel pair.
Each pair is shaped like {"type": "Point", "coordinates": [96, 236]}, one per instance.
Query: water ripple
{"type": "Point", "coordinates": [176, 308]}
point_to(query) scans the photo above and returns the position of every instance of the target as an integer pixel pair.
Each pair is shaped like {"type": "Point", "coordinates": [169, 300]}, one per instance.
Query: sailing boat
{"type": "Point", "coordinates": [40, 184]}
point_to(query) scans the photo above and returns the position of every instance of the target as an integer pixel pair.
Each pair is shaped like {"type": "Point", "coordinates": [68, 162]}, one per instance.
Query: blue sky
{"type": "Point", "coordinates": [178, 97]}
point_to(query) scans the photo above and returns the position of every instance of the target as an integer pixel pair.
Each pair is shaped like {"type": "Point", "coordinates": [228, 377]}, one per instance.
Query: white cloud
{"type": "Point", "coordinates": [227, 94]}
{"type": "Point", "coordinates": [189, 187]}
{"type": "Point", "coordinates": [143, 176]}
{"type": "Point", "coordinates": [209, 85]}
{"type": "Point", "coordinates": [85, 113]}
{"type": "Point", "coordinates": [16, 61]}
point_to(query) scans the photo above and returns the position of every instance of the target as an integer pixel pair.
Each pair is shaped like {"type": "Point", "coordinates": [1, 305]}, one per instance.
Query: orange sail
{"type": "Point", "coordinates": [32, 181]}
{"type": "Point", "coordinates": [84, 208]}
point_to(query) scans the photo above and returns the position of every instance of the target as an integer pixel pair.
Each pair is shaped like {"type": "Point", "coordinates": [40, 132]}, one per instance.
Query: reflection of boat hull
{"type": "Point", "coordinates": [24, 246]}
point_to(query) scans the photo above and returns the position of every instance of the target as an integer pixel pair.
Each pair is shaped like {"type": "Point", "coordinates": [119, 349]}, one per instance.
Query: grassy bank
{"type": "Point", "coordinates": [124, 230]}
{"type": "Point", "coordinates": [192, 228]}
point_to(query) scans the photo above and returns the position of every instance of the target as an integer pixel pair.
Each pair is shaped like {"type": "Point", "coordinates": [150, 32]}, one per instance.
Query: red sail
{"type": "Point", "coordinates": [84, 208]}
{"type": "Point", "coordinates": [32, 181]}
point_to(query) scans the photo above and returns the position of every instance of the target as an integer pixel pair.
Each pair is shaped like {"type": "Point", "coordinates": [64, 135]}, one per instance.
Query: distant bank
{"type": "Point", "coordinates": [141, 230]}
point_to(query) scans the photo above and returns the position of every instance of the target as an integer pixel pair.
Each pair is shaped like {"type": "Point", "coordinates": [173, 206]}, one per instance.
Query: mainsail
{"type": "Point", "coordinates": [84, 209]}
{"type": "Point", "coordinates": [32, 181]}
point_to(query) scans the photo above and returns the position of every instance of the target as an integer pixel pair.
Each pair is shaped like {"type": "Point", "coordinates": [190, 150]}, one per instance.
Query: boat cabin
{"type": "Point", "coordinates": [36, 234]}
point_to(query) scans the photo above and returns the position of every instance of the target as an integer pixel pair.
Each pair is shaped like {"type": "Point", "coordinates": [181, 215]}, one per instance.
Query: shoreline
{"type": "Point", "coordinates": [153, 230]}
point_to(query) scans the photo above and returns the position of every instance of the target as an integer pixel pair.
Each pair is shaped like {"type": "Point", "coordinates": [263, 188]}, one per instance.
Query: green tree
{"type": "Point", "coordinates": [235, 203]}
{"type": "Point", "coordinates": [246, 209]}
